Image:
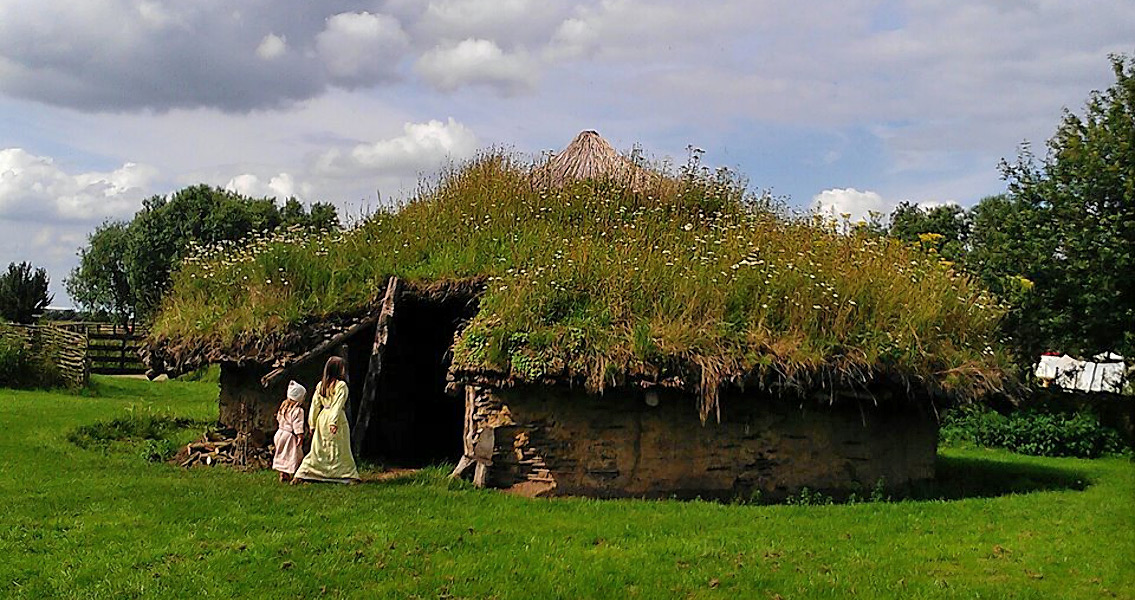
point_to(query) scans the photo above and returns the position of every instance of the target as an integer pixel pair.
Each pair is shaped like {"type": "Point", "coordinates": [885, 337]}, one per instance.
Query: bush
{"type": "Point", "coordinates": [158, 450]}
{"type": "Point", "coordinates": [1032, 431]}
{"type": "Point", "coordinates": [138, 426]}
{"type": "Point", "coordinates": [12, 359]}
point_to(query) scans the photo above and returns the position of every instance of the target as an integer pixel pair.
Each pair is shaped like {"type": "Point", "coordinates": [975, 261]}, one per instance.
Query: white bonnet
{"type": "Point", "coordinates": [296, 392]}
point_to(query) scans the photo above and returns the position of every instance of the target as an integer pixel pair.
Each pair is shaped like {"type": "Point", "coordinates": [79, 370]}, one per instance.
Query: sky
{"type": "Point", "coordinates": [844, 105]}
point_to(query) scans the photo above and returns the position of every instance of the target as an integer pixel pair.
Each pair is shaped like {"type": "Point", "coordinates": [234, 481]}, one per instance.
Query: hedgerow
{"type": "Point", "coordinates": [1032, 431]}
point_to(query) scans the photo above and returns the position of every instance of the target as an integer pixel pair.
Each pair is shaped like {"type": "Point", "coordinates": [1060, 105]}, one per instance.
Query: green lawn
{"type": "Point", "coordinates": [106, 524]}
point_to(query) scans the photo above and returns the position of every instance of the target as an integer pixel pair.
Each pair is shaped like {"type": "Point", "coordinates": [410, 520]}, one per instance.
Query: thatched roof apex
{"type": "Point", "coordinates": [589, 156]}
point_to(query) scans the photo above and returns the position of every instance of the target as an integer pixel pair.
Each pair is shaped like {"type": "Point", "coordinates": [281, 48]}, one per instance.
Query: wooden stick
{"type": "Point", "coordinates": [276, 374]}
{"type": "Point", "coordinates": [374, 369]}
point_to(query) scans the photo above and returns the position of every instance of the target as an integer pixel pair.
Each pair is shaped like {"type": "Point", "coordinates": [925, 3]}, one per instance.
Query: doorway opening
{"type": "Point", "coordinates": [415, 423]}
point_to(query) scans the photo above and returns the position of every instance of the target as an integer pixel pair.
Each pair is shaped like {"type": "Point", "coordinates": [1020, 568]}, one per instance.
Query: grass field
{"type": "Point", "coordinates": [103, 523]}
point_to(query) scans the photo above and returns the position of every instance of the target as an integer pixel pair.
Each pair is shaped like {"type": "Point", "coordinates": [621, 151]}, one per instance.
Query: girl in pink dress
{"type": "Point", "coordinates": [289, 436]}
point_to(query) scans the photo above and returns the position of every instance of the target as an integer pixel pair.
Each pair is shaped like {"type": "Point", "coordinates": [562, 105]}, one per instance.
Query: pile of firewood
{"type": "Point", "coordinates": [215, 448]}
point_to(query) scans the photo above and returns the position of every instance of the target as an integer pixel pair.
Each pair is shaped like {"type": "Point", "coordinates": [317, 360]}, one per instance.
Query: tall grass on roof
{"type": "Point", "coordinates": [683, 277]}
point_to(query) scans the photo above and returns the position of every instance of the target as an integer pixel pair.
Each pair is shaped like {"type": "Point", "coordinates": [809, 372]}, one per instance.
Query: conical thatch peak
{"type": "Point", "coordinates": [589, 156]}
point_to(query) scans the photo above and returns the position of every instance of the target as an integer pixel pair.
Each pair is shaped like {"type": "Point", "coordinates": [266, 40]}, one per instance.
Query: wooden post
{"type": "Point", "coordinates": [468, 435]}
{"type": "Point", "coordinates": [374, 368]}
{"type": "Point", "coordinates": [479, 444]}
{"type": "Point", "coordinates": [122, 352]}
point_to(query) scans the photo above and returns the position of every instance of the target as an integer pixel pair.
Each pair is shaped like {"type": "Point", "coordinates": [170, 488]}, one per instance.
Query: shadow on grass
{"type": "Point", "coordinates": [958, 478]}
{"type": "Point", "coordinates": [965, 477]}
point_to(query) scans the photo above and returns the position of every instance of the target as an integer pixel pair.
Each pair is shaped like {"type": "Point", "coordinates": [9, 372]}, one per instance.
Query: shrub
{"type": "Point", "coordinates": [138, 426]}
{"type": "Point", "coordinates": [12, 360]}
{"type": "Point", "coordinates": [158, 450]}
{"type": "Point", "coordinates": [1032, 431]}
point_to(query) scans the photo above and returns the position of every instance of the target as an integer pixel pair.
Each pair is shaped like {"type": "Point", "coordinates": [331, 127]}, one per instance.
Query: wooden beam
{"type": "Point", "coordinates": [303, 359]}
{"type": "Point", "coordinates": [374, 368]}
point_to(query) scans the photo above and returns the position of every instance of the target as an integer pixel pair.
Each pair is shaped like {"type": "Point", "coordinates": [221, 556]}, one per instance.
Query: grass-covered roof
{"type": "Point", "coordinates": [633, 276]}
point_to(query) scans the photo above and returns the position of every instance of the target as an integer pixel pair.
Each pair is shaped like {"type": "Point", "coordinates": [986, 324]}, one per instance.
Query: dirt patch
{"type": "Point", "coordinates": [387, 475]}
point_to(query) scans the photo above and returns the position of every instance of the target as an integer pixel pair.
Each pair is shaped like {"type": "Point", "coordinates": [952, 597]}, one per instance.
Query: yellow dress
{"type": "Point", "coordinates": [330, 458]}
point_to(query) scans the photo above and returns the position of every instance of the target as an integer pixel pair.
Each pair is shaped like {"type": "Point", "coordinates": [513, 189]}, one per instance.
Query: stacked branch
{"type": "Point", "coordinates": [216, 449]}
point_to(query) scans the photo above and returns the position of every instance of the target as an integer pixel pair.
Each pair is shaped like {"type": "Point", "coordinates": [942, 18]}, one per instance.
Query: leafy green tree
{"type": "Point", "coordinates": [1068, 227]}
{"type": "Point", "coordinates": [322, 215]}
{"type": "Point", "coordinates": [100, 282]}
{"type": "Point", "coordinates": [23, 292]}
{"type": "Point", "coordinates": [160, 233]}
{"type": "Point", "coordinates": [126, 268]}
{"type": "Point", "coordinates": [912, 223]}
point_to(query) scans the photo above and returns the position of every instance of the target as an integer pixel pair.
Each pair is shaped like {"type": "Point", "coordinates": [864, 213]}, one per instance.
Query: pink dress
{"type": "Point", "coordinates": [289, 449]}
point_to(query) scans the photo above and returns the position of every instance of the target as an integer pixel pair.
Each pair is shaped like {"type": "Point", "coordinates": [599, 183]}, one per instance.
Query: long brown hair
{"type": "Point", "coordinates": [286, 405]}
{"type": "Point", "coordinates": [334, 371]}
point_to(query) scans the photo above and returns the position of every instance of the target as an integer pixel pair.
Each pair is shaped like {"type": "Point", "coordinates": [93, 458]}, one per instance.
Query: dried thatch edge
{"type": "Point", "coordinates": [821, 386]}
{"type": "Point", "coordinates": [175, 357]}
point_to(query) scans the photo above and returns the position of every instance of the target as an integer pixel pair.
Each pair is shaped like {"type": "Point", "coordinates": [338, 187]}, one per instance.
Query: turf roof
{"type": "Point", "coordinates": [596, 270]}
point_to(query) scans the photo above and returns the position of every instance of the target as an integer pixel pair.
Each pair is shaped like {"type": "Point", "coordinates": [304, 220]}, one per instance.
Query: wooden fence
{"type": "Point", "coordinates": [112, 348]}
{"type": "Point", "coordinates": [63, 347]}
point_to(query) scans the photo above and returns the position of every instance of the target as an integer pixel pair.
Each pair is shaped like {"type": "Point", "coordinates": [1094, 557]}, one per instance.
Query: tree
{"type": "Point", "coordinates": [1068, 226]}
{"type": "Point", "coordinates": [100, 282]}
{"type": "Point", "coordinates": [126, 268]}
{"type": "Point", "coordinates": [23, 292]}
{"type": "Point", "coordinates": [911, 222]}
{"type": "Point", "coordinates": [160, 234]}
{"type": "Point", "coordinates": [322, 216]}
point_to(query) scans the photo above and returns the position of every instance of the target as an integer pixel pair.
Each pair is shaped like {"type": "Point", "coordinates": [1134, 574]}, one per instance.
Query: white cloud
{"type": "Point", "coordinates": [281, 186]}
{"type": "Point", "coordinates": [477, 62]}
{"type": "Point", "coordinates": [858, 205]}
{"type": "Point", "coordinates": [508, 22]}
{"type": "Point", "coordinates": [272, 46]}
{"type": "Point", "coordinates": [362, 48]}
{"type": "Point", "coordinates": [649, 31]}
{"type": "Point", "coordinates": [573, 39]}
{"type": "Point", "coordinates": [836, 203]}
{"type": "Point", "coordinates": [155, 15]}
{"type": "Point", "coordinates": [421, 147]}
{"type": "Point", "coordinates": [35, 188]}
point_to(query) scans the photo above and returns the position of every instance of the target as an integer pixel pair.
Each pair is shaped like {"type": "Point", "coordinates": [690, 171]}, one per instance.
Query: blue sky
{"type": "Point", "coordinates": [854, 105]}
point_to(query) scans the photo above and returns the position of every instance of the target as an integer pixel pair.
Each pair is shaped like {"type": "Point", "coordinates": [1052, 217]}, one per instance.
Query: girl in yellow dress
{"type": "Point", "coordinates": [330, 457]}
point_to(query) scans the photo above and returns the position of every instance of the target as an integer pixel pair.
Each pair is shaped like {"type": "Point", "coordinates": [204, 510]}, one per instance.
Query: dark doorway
{"type": "Point", "coordinates": [414, 422]}
{"type": "Point", "coordinates": [357, 353]}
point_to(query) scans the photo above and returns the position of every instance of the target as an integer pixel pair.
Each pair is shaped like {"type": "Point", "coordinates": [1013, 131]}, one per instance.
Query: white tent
{"type": "Point", "coordinates": [1104, 373]}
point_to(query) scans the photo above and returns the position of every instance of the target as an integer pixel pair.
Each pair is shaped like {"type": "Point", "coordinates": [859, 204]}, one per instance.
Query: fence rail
{"type": "Point", "coordinates": [113, 348]}
{"type": "Point", "coordinates": [66, 348]}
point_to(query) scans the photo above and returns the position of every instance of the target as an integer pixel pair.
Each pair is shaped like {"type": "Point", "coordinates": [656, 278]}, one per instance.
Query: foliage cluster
{"type": "Point", "coordinates": [22, 367]}
{"type": "Point", "coordinates": [691, 276]}
{"type": "Point", "coordinates": [1032, 431]}
{"type": "Point", "coordinates": [1058, 247]}
{"type": "Point", "coordinates": [945, 228]}
{"type": "Point", "coordinates": [1075, 211]}
{"type": "Point", "coordinates": [141, 427]}
{"type": "Point", "coordinates": [125, 268]}
{"type": "Point", "coordinates": [23, 293]}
